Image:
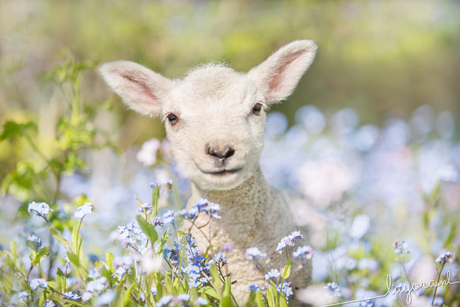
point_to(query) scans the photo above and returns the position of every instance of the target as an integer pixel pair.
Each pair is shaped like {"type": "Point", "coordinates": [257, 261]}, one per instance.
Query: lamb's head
{"type": "Point", "coordinates": [215, 116]}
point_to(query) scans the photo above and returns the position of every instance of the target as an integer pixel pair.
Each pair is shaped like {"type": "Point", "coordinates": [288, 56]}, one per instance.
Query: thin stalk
{"type": "Point", "coordinates": [437, 283]}
{"type": "Point", "coordinates": [404, 268]}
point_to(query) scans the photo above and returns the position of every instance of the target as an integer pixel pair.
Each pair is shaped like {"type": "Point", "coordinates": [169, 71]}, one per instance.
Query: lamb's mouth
{"type": "Point", "coordinates": [223, 172]}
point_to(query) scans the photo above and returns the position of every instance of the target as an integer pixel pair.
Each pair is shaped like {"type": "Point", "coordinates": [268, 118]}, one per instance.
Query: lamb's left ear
{"type": "Point", "coordinates": [141, 89]}
{"type": "Point", "coordinates": [278, 76]}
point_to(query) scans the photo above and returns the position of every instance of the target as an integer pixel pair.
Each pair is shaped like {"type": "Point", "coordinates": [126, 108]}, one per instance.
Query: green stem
{"type": "Point", "coordinates": [437, 283]}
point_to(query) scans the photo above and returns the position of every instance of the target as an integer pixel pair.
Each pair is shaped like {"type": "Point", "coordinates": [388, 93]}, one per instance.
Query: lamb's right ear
{"type": "Point", "coordinates": [278, 76]}
{"type": "Point", "coordinates": [140, 88]}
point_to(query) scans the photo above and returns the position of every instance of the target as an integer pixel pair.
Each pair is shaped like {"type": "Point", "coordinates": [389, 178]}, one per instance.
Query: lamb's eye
{"type": "Point", "coordinates": [173, 119]}
{"type": "Point", "coordinates": [257, 109]}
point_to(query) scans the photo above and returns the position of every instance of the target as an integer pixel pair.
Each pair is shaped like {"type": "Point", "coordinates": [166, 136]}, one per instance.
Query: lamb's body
{"type": "Point", "coordinates": [253, 215]}
{"type": "Point", "coordinates": [215, 119]}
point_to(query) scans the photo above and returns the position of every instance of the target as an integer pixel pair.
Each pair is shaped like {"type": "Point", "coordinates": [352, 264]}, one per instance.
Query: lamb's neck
{"type": "Point", "coordinates": [252, 194]}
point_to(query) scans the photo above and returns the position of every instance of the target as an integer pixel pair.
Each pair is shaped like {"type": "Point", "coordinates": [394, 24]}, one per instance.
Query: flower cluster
{"type": "Point", "coordinates": [70, 295]}
{"type": "Point", "coordinates": [133, 236]}
{"type": "Point", "coordinates": [274, 273]}
{"type": "Point", "coordinates": [41, 208]}
{"type": "Point", "coordinates": [401, 247]}
{"type": "Point", "coordinates": [254, 253]}
{"type": "Point", "coordinates": [38, 282]}
{"type": "Point", "coordinates": [203, 205]}
{"type": "Point", "coordinates": [146, 208]}
{"type": "Point", "coordinates": [446, 257]}
{"type": "Point", "coordinates": [34, 238]}
{"type": "Point", "coordinates": [193, 266]}
{"type": "Point", "coordinates": [334, 287]}
{"type": "Point", "coordinates": [288, 241]}
{"type": "Point", "coordinates": [303, 252]}
{"type": "Point", "coordinates": [87, 208]}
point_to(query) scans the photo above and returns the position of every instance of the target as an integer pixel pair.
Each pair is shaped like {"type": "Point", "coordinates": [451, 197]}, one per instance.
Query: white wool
{"type": "Point", "coordinates": [214, 106]}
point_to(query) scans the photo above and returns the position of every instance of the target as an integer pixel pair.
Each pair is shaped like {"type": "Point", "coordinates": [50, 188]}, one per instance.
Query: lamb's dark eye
{"type": "Point", "coordinates": [257, 109]}
{"type": "Point", "coordinates": [173, 119]}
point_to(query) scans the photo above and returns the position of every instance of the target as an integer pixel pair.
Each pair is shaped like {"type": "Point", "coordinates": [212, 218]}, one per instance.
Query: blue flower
{"type": "Point", "coordinates": [96, 285]}
{"type": "Point", "coordinates": [254, 288]}
{"type": "Point", "coordinates": [303, 252]}
{"type": "Point", "coordinates": [183, 297]}
{"type": "Point", "coordinates": [154, 183]}
{"type": "Point", "coordinates": [367, 303]}
{"type": "Point", "coordinates": [285, 288]}
{"type": "Point", "coordinates": [71, 295]}
{"type": "Point", "coordinates": [164, 300]}
{"type": "Point", "coordinates": [87, 208]}
{"type": "Point", "coordinates": [34, 238]}
{"type": "Point", "coordinates": [168, 217]}
{"type": "Point", "coordinates": [147, 208]}
{"type": "Point", "coordinates": [22, 295]}
{"type": "Point", "coordinates": [49, 303]}
{"type": "Point", "coordinates": [288, 241]}
{"type": "Point", "coordinates": [445, 257]}
{"type": "Point", "coordinates": [158, 221]}
{"type": "Point", "coordinates": [41, 208]}
{"type": "Point", "coordinates": [201, 301]}
{"type": "Point", "coordinates": [86, 296]}
{"type": "Point", "coordinates": [400, 247]}
{"type": "Point", "coordinates": [220, 258]}
{"type": "Point", "coordinates": [334, 287]}
{"type": "Point", "coordinates": [153, 290]}
{"type": "Point", "coordinates": [254, 253]}
{"type": "Point", "coordinates": [38, 282]}
{"type": "Point", "coordinates": [274, 273]}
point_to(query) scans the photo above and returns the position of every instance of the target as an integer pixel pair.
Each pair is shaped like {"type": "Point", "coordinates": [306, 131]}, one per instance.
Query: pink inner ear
{"type": "Point", "coordinates": [141, 93]}
{"type": "Point", "coordinates": [276, 82]}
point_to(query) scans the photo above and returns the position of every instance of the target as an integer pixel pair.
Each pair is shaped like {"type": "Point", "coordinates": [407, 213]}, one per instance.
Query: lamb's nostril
{"type": "Point", "coordinates": [221, 154]}
{"type": "Point", "coordinates": [228, 152]}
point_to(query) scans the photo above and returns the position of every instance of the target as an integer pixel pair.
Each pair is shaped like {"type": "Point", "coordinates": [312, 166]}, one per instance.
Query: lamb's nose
{"type": "Point", "coordinates": [225, 153]}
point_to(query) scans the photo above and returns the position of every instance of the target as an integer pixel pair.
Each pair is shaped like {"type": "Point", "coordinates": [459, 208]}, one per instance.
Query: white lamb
{"type": "Point", "coordinates": [215, 119]}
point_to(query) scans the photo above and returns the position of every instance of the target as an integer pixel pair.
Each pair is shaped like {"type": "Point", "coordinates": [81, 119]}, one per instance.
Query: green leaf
{"type": "Point", "coordinates": [287, 269]}
{"type": "Point", "coordinates": [76, 242]}
{"type": "Point", "coordinates": [121, 285]}
{"type": "Point", "coordinates": [227, 294]}
{"type": "Point", "coordinates": [163, 241]}
{"type": "Point", "coordinates": [155, 197]}
{"type": "Point", "coordinates": [14, 249]}
{"type": "Point", "coordinates": [109, 259]}
{"type": "Point", "coordinates": [75, 260]}
{"type": "Point", "coordinates": [251, 300]}
{"type": "Point", "coordinates": [451, 236]}
{"type": "Point", "coordinates": [215, 276]}
{"type": "Point", "coordinates": [42, 253]}
{"type": "Point", "coordinates": [57, 235]}
{"type": "Point", "coordinates": [271, 296]}
{"type": "Point", "coordinates": [127, 296]}
{"type": "Point", "coordinates": [283, 302]}
{"type": "Point", "coordinates": [139, 202]}
{"type": "Point", "coordinates": [60, 278]}
{"type": "Point", "coordinates": [259, 299]}
{"type": "Point", "coordinates": [46, 293]}
{"type": "Point", "coordinates": [147, 229]}
{"type": "Point", "coordinates": [12, 129]}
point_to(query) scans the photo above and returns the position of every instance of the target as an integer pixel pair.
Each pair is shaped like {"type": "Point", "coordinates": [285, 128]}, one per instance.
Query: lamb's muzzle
{"type": "Point", "coordinates": [223, 112]}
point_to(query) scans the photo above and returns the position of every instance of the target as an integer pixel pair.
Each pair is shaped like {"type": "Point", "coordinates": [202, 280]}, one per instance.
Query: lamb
{"type": "Point", "coordinates": [215, 119]}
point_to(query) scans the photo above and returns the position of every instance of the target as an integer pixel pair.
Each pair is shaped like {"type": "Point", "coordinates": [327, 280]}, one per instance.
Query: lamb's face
{"type": "Point", "coordinates": [215, 119]}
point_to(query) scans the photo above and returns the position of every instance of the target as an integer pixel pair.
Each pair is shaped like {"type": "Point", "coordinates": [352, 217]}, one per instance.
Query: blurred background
{"type": "Point", "coordinates": [375, 56]}
{"type": "Point", "coordinates": [367, 146]}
